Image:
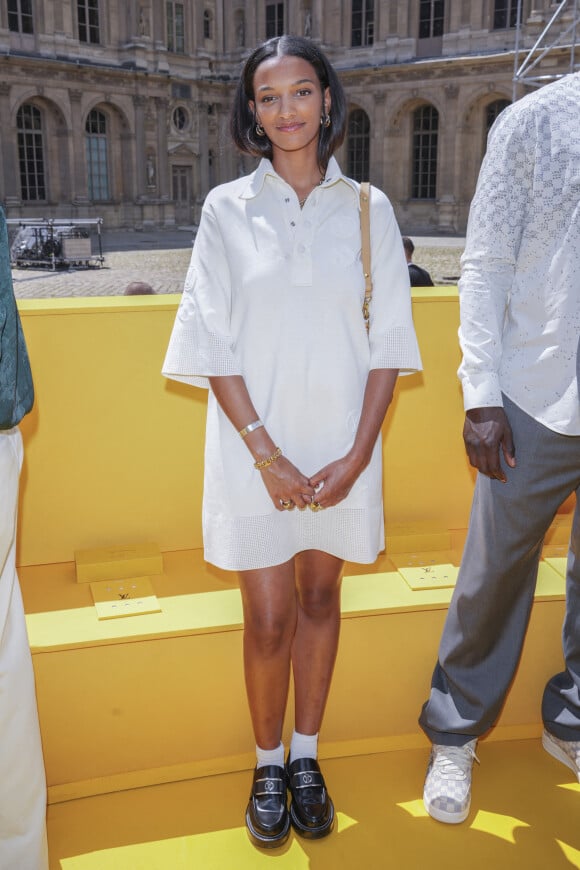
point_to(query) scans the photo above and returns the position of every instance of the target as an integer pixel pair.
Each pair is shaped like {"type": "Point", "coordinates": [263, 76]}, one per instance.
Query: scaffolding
{"type": "Point", "coordinates": [558, 34]}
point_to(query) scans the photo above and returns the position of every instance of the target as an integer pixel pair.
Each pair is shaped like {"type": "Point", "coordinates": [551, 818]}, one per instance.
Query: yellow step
{"type": "Point", "coordinates": [160, 697]}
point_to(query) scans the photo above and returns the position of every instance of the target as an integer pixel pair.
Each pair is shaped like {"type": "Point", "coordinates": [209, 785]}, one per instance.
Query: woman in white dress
{"type": "Point", "coordinates": [271, 322]}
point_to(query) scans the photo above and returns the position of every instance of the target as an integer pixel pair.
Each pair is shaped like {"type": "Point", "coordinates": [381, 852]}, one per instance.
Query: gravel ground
{"type": "Point", "coordinates": [165, 271]}
{"type": "Point", "coordinates": [441, 263]}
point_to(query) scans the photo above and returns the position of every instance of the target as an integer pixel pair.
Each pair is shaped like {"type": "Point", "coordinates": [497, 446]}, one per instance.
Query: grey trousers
{"type": "Point", "coordinates": [490, 608]}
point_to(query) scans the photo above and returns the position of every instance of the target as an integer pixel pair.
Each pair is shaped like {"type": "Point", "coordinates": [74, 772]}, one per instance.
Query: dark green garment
{"type": "Point", "coordinates": [16, 388]}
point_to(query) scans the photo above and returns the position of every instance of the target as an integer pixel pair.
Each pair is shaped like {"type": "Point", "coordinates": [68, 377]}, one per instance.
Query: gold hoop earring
{"type": "Point", "coordinates": [327, 120]}
{"type": "Point", "coordinates": [259, 129]}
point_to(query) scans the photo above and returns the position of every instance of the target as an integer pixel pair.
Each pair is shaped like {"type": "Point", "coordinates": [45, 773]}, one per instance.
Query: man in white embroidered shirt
{"type": "Point", "coordinates": [520, 326]}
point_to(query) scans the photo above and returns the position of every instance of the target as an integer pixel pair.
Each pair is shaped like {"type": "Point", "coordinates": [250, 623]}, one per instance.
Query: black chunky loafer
{"type": "Point", "coordinates": [267, 818]}
{"type": "Point", "coordinates": [311, 809]}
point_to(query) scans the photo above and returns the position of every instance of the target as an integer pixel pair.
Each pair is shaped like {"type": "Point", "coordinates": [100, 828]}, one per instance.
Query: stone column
{"type": "Point", "coordinates": [162, 105]}
{"type": "Point", "coordinates": [447, 200]}
{"type": "Point", "coordinates": [80, 191]}
{"type": "Point", "coordinates": [61, 187]}
{"type": "Point", "coordinates": [203, 148]}
{"type": "Point", "coordinates": [251, 35]}
{"type": "Point", "coordinates": [126, 23]}
{"type": "Point", "coordinates": [58, 12]}
{"type": "Point", "coordinates": [219, 28]}
{"type": "Point", "coordinates": [333, 29]}
{"type": "Point", "coordinates": [139, 102]}
{"type": "Point", "coordinates": [378, 140]}
{"type": "Point", "coordinates": [126, 187]}
{"type": "Point", "coordinates": [9, 174]}
{"type": "Point", "coordinates": [466, 13]}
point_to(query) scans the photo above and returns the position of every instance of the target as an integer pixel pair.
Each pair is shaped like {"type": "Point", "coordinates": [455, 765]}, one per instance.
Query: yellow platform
{"type": "Point", "coordinates": [146, 735]}
{"type": "Point", "coordinates": [524, 817]}
{"type": "Point", "coordinates": [110, 692]}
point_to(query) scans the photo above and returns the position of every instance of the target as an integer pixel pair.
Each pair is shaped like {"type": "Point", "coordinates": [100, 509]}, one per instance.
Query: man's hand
{"type": "Point", "coordinates": [484, 432]}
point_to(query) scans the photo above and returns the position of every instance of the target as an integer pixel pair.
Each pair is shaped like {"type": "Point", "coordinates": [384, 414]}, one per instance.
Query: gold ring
{"type": "Point", "coordinates": [316, 506]}
{"type": "Point", "coordinates": [287, 505]}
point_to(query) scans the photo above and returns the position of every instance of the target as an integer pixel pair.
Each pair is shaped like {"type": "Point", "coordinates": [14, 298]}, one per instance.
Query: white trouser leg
{"type": "Point", "coordinates": [22, 780]}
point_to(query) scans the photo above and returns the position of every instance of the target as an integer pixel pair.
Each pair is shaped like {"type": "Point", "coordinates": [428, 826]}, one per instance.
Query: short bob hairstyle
{"type": "Point", "coordinates": [243, 120]}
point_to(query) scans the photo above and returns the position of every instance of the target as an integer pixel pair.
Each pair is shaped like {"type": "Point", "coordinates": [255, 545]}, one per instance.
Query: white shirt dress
{"type": "Point", "coordinates": [274, 293]}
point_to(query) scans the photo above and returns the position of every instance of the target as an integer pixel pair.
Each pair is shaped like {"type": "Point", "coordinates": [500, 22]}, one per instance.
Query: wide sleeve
{"type": "Point", "coordinates": [16, 386]}
{"type": "Point", "coordinates": [488, 264]}
{"type": "Point", "coordinates": [393, 343]}
{"type": "Point", "coordinates": [201, 345]}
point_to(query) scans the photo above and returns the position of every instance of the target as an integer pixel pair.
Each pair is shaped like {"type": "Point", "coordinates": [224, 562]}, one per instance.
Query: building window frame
{"type": "Point", "coordinates": [175, 26]}
{"type": "Point", "coordinates": [431, 18]}
{"type": "Point", "coordinates": [362, 27]}
{"type": "Point", "coordinates": [180, 119]}
{"type": "Point", "coordinates": [505, 14]}
{"type": "Point", "coordinates": [88, 21]}
{"type": "Point", "coordinates": [492, 111]}
{"type": "Point", "coordinates": [31, 160]}
{"type": "Point", "coordinates": [97, 153]}
{"type": "Point", "coordinates": [207, 24]}
{"type": "Point", "coordinates": [425, 145]}
{"type": "Point", "coordinates": [20, 16]}
{"type": "Point", "coordinates": [275, 15]}
{"type": "Point", "coordinates": [358, 145]}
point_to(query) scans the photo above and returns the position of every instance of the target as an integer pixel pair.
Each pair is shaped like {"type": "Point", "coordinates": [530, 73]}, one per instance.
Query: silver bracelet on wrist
{"type": "Point", "coordinates": [250, 428]}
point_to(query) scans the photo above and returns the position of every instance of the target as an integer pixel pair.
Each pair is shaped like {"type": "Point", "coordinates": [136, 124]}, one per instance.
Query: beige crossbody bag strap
{"type": "Point", "coordinates": [365, 234]}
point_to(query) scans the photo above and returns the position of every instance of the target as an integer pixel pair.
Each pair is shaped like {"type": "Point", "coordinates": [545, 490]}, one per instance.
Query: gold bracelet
{"type": "Point", "coordinates": [250, 428]}
{"type": "Point", "coordinates": [264, 463]}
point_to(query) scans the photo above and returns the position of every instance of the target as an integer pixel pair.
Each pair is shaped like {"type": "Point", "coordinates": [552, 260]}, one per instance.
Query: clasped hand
{"type": "Point", "coordinates": [329, 486]}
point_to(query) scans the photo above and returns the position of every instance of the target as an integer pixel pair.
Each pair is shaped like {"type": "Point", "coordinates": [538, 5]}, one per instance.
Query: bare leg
{"type": "Point", "coordinates": [318, 577]}
{"type": "Point", "coordinates": [269, 602]}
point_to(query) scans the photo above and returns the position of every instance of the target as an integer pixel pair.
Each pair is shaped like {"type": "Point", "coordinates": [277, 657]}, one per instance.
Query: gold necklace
{"type": "Point", "coordinates": [302, 201]}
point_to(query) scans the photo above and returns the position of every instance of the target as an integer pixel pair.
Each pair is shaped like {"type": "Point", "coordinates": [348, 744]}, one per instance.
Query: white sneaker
{"type": "Point", "coordinates": [447, 792]}
{"type": "Point", "coordinates": [566, 751]}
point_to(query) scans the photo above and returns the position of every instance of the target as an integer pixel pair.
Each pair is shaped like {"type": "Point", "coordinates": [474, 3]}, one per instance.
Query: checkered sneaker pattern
{"type": "Point", "coordinates": [447, 792]}
{"type": "Point", "coordinates": [566, 751]}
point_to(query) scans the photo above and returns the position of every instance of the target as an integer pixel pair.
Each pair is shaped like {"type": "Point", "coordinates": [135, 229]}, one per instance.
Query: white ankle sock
{"type": "Point", "coordinates": [303, 746]}
{"type": "Point", "coordinates": [270, 756]}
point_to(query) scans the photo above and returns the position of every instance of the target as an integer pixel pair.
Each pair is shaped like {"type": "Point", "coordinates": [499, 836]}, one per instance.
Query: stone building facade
{"type": "Point", "coordinates": [119, 108]}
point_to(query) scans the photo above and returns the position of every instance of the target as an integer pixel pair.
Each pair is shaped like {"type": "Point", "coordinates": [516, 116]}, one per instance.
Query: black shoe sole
{"type": "Point", "coordinates": [263, 841]}
{"type": "Point", "coordinates": [308, 832]}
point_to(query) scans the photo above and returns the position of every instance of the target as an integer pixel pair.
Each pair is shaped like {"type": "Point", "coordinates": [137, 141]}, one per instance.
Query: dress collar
{"type": "Point", "coordinates": [256, 180]}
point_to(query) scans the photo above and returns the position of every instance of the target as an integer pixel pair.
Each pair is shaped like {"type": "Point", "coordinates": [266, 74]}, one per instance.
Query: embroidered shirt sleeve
{"type": "Point", "coordinates": [496, 221]}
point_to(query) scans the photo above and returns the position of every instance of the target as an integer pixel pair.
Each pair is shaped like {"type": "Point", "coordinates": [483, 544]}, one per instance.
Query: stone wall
{"type": "Point", "coordinates": [163, 85]}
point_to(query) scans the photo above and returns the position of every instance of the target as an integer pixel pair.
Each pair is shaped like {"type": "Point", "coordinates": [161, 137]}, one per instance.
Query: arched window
{"type": "Point", "coordinates": [31, 153]}
{"type": "Point", "coordinates": [358, 145]}
{"type": "Point", "coordinates": [492, 111]}
{"type": "Point", "coordinates": [362, 22]}
{"type": "Point", "coordinates": [425, 135]}
{"type": "Point", "coordinates": [97, 159]}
